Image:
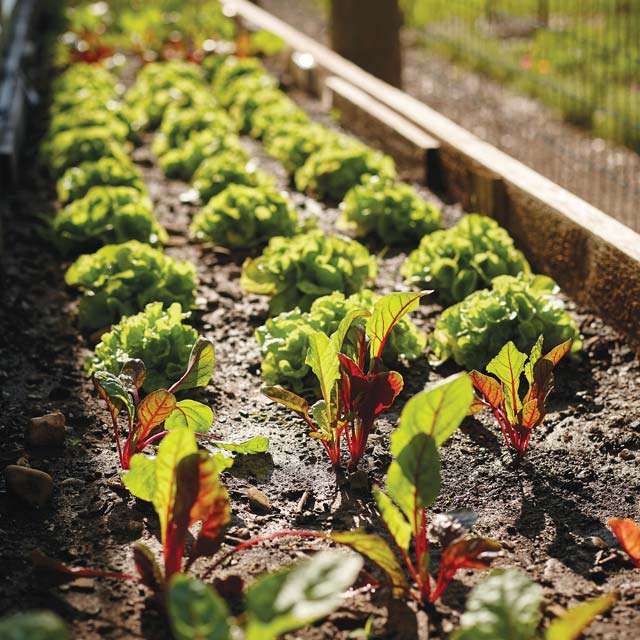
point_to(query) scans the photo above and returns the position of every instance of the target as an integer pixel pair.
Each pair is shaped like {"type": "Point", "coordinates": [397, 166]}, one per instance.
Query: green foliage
{"type": "Point", "coordinates": [294, 272]}
{"type": "Point", "coordinates": [82, 144]}
{"type": "Point", "coordinates": [461, 260]}
{"type": "Point", "coordinates": [236, 75]}
{"type": "Point", "coordinates": [243, 216]}
{"type": "Point", "coordinates": [393, 211]}
{"type": "Point", "coordinates": [217, 172]}
{"type": "Point", "coordinates": [119, 280]}
{"type": "Point", "coordinates": [284, 339]}
{"type": "Point", "coordinates": [105, 172]}
{"type": "Point", "coordinates": [293, 142]}
{"type": "Point", "coordinates": [33, 625]}
{"type": "Point", "coordinates": [84, 115]}
{"type": "Point", "coordinates": [273, 115]}
{"type": "Point", "coordinates": [182, 162]}
{"type": "Point", "coordinates": [517, 309]}
{"type": "Point", "coordinates": [179, 123]}
{"type": "Point", "coordinates": [330, 172]}
{"type": "Point", "coordinates": [249, 101]}
{"type": "Point", "coordinates": [156, 336]}
{"type": "Point", "coordinates": [105, 215]}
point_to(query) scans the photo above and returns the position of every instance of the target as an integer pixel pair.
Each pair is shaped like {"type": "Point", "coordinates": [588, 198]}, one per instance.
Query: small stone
{"type": "Point", "coordinates": [258, 500]}
{"type": "Point", "coordinates": [33, 486]}
{"type": "Point", "coordinates": [625, 454]}
{"type": "Point", "coordinates": [47, 430]}
{"type": "Point", "coordinates": [83, 584]}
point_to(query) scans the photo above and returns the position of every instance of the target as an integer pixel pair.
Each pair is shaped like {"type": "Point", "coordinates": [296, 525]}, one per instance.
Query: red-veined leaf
{"type": "Point", "coordinates": [557, 353]}
{"type": "Point", "coordinates": [133, 374]}
{"type": "Point", "coordinates": [489, 387]}
{"type": "Point", "coordinates": [147, 567]}
{"type": "Point", "coordinates": [200, 367]}
{"type": "Point", "coordinates": [322, 357]}
{"type": "Point", "coordinates": [507, 366]}
{"type": "Point", "coordinates": [628, 534]}
{"type": "Point", "coordinates": [115, 396]}
{"type": "Point", "coordinates": [153, 411]}
{"type": "Point", "coordinates": [341, 332]}
{"type": "Point", "coordinates": [571, 624]}
{"type": "Point", "coordinates": [529, 416]}
{"type": "Point", "coordinates": [288, 399]}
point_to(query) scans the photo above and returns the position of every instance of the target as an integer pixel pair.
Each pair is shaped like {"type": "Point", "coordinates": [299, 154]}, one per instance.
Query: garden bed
{"type": "Point", "coordinates": [550, 518]}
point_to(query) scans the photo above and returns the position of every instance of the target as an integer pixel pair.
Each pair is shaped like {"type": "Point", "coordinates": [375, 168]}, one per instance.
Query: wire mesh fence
{"type": "Point", "coordinates": [581, 58]}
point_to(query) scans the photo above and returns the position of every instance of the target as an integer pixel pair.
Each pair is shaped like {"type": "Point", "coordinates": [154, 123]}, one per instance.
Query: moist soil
{"type": "Point", "coordinates": [550, 517]}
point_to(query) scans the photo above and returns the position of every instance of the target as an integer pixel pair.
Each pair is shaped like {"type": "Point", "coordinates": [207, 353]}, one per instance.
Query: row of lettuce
{"type": "Point", "coordinates": [325, 324]}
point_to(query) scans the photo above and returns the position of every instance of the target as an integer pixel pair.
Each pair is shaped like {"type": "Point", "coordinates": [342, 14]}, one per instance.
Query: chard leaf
{"type": "Point", "coordinates": [287, 399]}
{"type": "Point", "coordinates": [141, 477]}
{"type": "Point", "coordinates": [133, 374]}
{"type": "Point", "coordinates": [297, 596]}
{"type": "Point", "coordinates": [534, 356]}
{"type": "Point", "coordinates": [396, 523]}
{"type": "Point", "coordinates": [413, 479]}
{"type": "Point", "coordinates": [447, 527]}
{"type": "Point", "coordinates": [379, 552]}
{"type": "Point", "coordinates": [33, 625]}
{"type": "Point", "coordinates": [339, 335]}
{"type": "Point", "coordinates": [323, 420]}
{"type": "Point", "coordinates": [147, 567]}
{"type": "Point", "coordinates": [257, 444]}
{"type": "Point", "coordinates": [115, 396]}
{"type": "Point", "coordinates": [196, 611]}
{"type": "Point", "coordinates": [628, 534]}
{"type": "Point", "coordinates": [437, 412]}
{"type": "Point", "coordinates": [386, 313]}
{"type": "Point", "coordinates": [489, 387]}
{"type": "Point", "coordinates": [571, 624]}
{"type": "Point", "coordinates": [507, 366]}
{"type": "Point", "coordinates": [175, 446]}
{"type": "Point", "coordinates": [189, 414]}
{"type": "Point", "coordinates": [200, 368]}
{"type": "Point", "coordinates": [153, 411]}
{"type": "Point", "coordinates": [322, 357]}
{"type": "Point", "coordinates": [506, 605]}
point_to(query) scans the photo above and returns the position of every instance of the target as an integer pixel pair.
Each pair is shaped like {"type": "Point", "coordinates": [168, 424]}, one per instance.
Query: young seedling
{"type": "Point", "coordinates": [628, 534]}
{"type": "Point", "coordinates": [517, 417]}
{"type": "Point", "coordinates": [157, 414]}
{"type": "Point", "coordinates": [355, 386]}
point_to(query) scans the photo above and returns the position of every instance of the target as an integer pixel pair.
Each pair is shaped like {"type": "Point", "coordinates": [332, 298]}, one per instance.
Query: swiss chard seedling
{"type": "Point", "coordinates": [151, 418]}
{"type": "Point", "coordinates": [518, 416]}
{"type": "Point", "coordinates": [354, 384]}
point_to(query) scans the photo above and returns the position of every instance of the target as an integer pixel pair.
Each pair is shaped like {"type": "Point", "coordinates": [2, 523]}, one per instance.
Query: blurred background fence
{"type": "Point", "coordinates": [579, 57]}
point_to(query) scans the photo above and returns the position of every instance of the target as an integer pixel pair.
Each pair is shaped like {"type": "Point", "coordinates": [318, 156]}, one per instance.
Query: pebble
{"type": "Point", "coordinates": [74, 483]}
{"type": "Point", "coordinates": [258, 500]}
{"type": "Point", "coordinates": [33, 486]}
{"type": "Point", "coordinates": [47, 430]}
{"type": "Point", "coordinates": [625, 454]}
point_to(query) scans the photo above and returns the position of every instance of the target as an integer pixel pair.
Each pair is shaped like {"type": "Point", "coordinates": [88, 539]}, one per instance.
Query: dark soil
{"type": "Point", "coordinates": [604, 174]}
{"type": "Point", "coordinates": [582, 467]}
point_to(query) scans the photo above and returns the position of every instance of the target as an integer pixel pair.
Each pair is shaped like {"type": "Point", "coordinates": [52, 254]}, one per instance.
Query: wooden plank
{"type": "Point", "coordinates": [595, 258]}
{"type": "Point", "coordinates": [414, 150]}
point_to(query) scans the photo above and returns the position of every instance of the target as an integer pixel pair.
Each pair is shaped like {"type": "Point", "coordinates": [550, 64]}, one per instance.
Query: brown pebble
{"type": "Point", "coordinates": [625, 454]}
{"type": "Point", "coordinates": [47, 430]}
{"type": "Point", "coordinates": [258, 500]}
{"type": "Point", "coordinates": [33, 486]}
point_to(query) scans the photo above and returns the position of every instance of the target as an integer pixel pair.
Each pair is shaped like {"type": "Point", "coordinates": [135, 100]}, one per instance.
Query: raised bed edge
{"type": "Point", "coordinates": [595, 258]}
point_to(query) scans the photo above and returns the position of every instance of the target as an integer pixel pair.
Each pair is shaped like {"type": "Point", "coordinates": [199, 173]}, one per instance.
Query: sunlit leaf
{"type": "Point", "coordinates": [257, 444]}
{"type": "Point", "coordinates": [287, 399]}
{"type": "Point", "coordinates": [322, 357]}
{"type": "Point", "coordinates": [437, 412]}
{"type": "Point", "coordinates": [507, 366]}
{"type": "Point", "coordinates": [200, 367]}
{"type": "Point", "coordinates": [196, 611]}
{"type": "Point", "coordinates": [297, 596]}
{"type": "Point", "coordinates": [395, 522]}
{"type": "Point", "coordinates": [190, 414]}
{"type": "Point", "coordinates": [141, 477]}
{"type": "Point", "coordinates": [153, 411]}
{"type": "Point", "coordinates": [133, 374]}
{"type": "Point", "coordinates": [379, 552]}
{"type": "Point", "coordinates": [571, 624]}
{"type": "Point", "coordinates": [386, 313]}
{"type": "Point", "coordinates": [489, 387]}
{"type": "Point", "coordinates": [339, 335]}
{"type": "Point", "coordinates": [628, 534]}
{"type": "Point", "coordinates": [115, 395]}
{"type": "Point", "coordinates": [534, 356]}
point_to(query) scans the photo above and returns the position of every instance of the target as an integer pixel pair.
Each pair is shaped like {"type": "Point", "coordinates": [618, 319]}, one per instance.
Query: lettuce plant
{"type": "Point", "coordinates": [517, 417]}
{"type": "Point", "coordinates": [182, 162]}
{"type": "Point", "coordinates": [156, 336]}
{"type": "Point", "coordinates": [274, 114]}
{"type": "Point", "coordinates": [236, 75]}
{"type": "Point", "coordinates": [84, 116]}
{"type": "Point", "coordinates": [393, 211]}
{"type": "Point", "coordinates": [75, 146]}
{"type": "Point", "coordinates": [119, 280]}
{"type": "Point", "coordinates": [106, 172]}
{"type": "Point", "coordinates": [354, 384]}
{"type": "Point", "coordinates": [293, 142]}
{"type": "Point", "coordinates": [517, 309]}
{"type": "Point", "coordinates": [330, 172]}
{"type": "Point", "coordinates": [243, 216]}
{"type": "Point", "coordinates": [628, 534]}
{"type": "Point", "coordinates": [105, 215]}
{"type": "Point", "coordinates": [248, 102]}
{"type": "Point", "coordinates": [219, 171]}
{"type": "Point", "coordinates": [507, 605]}
{"type": "Point", "coordinates": [179, 123]}
{"type": "Point", "coordinates": [458, 261]}
{"type": "Point", "coordinates": [159, 413]}
{"type": "Point", "coordinates": [284, 339]}
{"type": "Point", "coordinates": [294, 272]}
